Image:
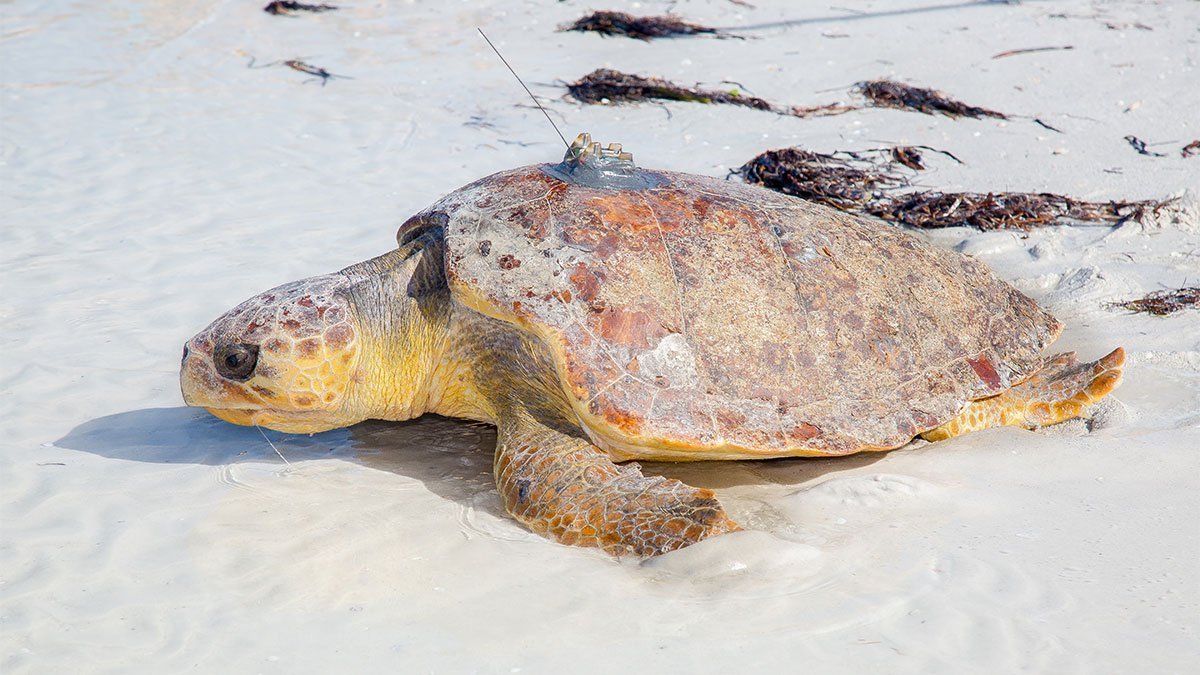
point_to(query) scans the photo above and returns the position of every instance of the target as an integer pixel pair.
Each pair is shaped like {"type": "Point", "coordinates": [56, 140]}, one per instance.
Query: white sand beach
{"type": "Point", "coordinates": [150, 180]}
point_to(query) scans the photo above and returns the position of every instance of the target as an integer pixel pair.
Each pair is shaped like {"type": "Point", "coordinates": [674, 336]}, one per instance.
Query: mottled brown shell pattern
{"type": "Point", "coordinates": [710, 318]}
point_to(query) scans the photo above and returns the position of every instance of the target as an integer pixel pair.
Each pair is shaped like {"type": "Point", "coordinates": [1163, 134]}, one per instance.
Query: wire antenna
{"type": "Point", "coordinates": [535, 101]}
{"type": "Point", "coordinates": [264, 435]}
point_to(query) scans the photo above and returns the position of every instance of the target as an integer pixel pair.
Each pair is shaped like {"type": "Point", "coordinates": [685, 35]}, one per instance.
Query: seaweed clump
{"type": "Point", "coordinates": [316, 71]}
{"type": "Point", "coordinates": [639, 27]}
{"type": "Point", "coordinates": [909, 156]}
{"type": "Point", "coordinates": [604, 85]}
{"type": "Point", "coordinates": [1162, 303]}
{"type": "Point", "coordinates": [857, 185]}
{"type": "Point", "coordinates": [889, 94]}
{"type": "Point", "coordinates": [818, 177]}
{"type": "Point", "coordinates": [1140, 147]}
{"type": "Point", "coordinates": [286, 7]}
{"type": "Point", "coordinates": [1000, 210]}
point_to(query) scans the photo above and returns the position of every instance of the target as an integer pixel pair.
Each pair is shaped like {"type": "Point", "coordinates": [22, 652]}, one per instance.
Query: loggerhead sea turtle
{"type": "Point", "coordinates": [596, 313]}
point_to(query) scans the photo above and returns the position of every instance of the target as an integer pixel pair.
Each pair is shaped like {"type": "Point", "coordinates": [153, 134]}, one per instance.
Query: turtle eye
{"type": "Point", "coordinates": [236, 362]}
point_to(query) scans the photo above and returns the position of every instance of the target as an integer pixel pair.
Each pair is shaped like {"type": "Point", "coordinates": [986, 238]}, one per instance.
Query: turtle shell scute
{"type": "Point", "coordinates": [712, 315]}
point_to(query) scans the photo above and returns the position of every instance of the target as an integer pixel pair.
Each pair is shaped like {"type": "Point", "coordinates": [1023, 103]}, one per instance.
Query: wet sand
{"type": "Point", "coordinates": [149, 180]}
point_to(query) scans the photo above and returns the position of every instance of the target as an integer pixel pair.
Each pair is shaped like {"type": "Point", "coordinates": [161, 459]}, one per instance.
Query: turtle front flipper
{"type": "Point", "coordinates": [569, 490]}
{"type": "Point", "coordinates": [1058, 392]}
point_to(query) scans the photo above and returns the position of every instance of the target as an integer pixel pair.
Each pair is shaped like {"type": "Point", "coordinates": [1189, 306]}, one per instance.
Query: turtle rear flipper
{"type": "Point", "coordinates": [569, 490]}
{"type": "Point", "coordinates": [1060, 391]}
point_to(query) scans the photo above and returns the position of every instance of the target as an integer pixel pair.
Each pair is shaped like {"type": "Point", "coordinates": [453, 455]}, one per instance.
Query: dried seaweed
{"type": "Point", "coordinates": [889, 94]}
{"type": "Point", "coordinates": [1140, 145]}
{"type": "Point", "coordinates": [639, 27]}
{"type": "Point", "coordinates": [282, 8]}
{"type": "Point", "coordinates": [604, 85]}
{"type": "Point", "coordinates": [315, 71]}
{"type": "Point", "coordinates": [1000, 210]}
{"type": "Point", "coordinates": [861, 186]}
{"type": "Point", "coordinates": [1031, 50]}
{"type": "Point", "coordinates": [1191, 149]}
{"type": "Point", "coordinates": [1044, 125]}
{"type": "Point", "coordinates": [1162, 303]}
{"type": "Point", "coordinates": [821, 178]}
{"type": "Point", "coordinates": [908, 156]}
{"type": "Point", "coordinates": [324, 76]}
{"type": "Point", "coordinates": [817, 110]}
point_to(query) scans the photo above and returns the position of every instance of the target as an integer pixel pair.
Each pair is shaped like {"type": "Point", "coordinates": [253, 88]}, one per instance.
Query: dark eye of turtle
{"type": "Point", "coordinates": [236, 362]}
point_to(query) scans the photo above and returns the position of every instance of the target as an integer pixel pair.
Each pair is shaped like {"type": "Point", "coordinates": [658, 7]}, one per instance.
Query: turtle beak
{"type": "Point", "coordinates": [184, 385]}
{"type": "Point", "coordinates": [196, 379]}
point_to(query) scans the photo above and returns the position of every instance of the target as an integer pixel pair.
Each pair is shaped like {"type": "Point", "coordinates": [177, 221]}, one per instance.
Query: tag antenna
{"type": "Point", "coordinates": [535, 101]}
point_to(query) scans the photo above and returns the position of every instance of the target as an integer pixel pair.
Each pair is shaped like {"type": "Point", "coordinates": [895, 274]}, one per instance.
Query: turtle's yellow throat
{"type": "Point", "coordinates": [413, 357]}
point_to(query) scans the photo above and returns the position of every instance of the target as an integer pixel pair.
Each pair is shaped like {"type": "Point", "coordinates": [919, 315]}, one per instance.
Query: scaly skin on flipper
{"type": "Point", "coordinates": [569, 490]}
{"type": "Point", "coordinates": [1060, 391]}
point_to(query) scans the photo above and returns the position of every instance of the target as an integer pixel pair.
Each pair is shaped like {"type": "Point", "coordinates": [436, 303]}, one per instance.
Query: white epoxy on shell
{"type": "Point", "coordinates": [672, 359]}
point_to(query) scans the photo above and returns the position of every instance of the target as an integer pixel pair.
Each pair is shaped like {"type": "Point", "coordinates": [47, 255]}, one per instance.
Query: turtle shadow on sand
{"type": "Point", "coordinates": [452, 458]}
{"type": "Point", "coordinates": [184, 435]}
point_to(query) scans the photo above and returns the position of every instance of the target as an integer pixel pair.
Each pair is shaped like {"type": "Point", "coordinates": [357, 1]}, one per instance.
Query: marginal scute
{"type": "Point", "coordinates": [709, 318]}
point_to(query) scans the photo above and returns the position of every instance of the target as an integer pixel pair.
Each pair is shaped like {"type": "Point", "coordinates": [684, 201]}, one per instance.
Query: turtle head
{"type": "Point", "coordinates": [285, 359]}
{"type": "Point", "coordinates": [324, 352]}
